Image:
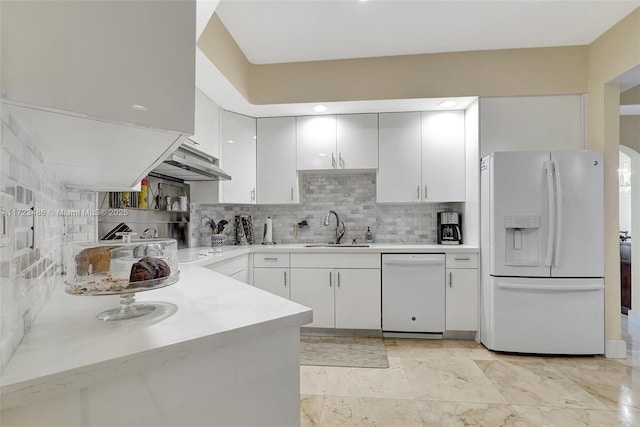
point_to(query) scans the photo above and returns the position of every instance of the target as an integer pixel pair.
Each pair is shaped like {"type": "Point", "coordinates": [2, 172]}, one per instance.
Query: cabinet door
{"type": "Point", "coordinates": [207, 125]}
{"type": "Point", "coordinates": [400, 147]}
{"type": "Point", "coordinates": [313, 287]}
{"type": "Point", "coordinates": [238, 158]}
{"type": "Point", "coordinates": [462, 299]}
{"type": "Point", "coordinates": [443, 156]}
{"type": "Point", "coordinates": [316, 142]}
{"type": "Point", "coordinates": [358, 304]}
{"type": "Point", "coordinates": [274, 280]}
{"type": "Point", "coordinates": [277, 177]}
{"type": "Point", "coordinates": [104, 59]}
{"type": "Point", "coordinates": [357, 141]}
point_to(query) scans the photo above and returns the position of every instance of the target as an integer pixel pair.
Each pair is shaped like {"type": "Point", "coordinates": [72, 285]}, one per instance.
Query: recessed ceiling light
{"type": "Point", "coordinates": [447, 104]}
{"type": "Point", "coordinates": [322, 154]}
{"type": "Point", "coordinates": [230, 141]}
{"type": "Point", "coordinates": [319, 108]}
{"type": "Point", "coordinates": [139, 107]}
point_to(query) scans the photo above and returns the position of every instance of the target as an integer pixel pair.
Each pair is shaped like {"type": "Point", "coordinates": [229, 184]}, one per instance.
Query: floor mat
{"type": "Point", "coordinates": [339, 351]}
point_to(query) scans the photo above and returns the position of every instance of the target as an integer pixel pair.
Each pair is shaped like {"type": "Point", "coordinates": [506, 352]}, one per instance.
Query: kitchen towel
{"type": "Point", "coordinates": [268, 232]}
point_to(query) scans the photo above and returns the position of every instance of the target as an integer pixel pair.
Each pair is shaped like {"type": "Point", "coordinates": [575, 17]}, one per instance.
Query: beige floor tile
{"type": "Point", "coordinates": [571, 417]}
{"type": "Point", "coordinates": [450, 379]}
{"type": "Point", "coordinates": [313, 379]}
{"type": "Point", "coordinates": [453, 414]}
{"type": "Point", "coordinates": [526, 383]}
{"type": "Point", "coordinates": [358, 411]}
{"type": "Point", "coordinates": [610, 382]}
{"type": "Point", "coordinates": [310, 409]}
{"type": "Point", "coordinates": [358, 382]}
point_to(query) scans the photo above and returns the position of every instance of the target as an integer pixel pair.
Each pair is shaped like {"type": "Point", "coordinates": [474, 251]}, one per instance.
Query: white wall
{"type": "Point", "coordinates": [471, 232]}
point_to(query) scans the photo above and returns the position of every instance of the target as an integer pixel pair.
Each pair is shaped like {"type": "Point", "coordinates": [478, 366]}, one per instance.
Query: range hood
{"type": "Point", "coordinates": [186, 164]}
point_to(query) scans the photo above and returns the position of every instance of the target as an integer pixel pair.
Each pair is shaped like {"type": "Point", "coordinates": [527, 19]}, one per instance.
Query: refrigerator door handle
{"type": "Point", "coordinates": [547, 288]}
{"type": "Point", "coordinates": [558, 189]}
{"type": "Point", "coordinates": [548, 168]}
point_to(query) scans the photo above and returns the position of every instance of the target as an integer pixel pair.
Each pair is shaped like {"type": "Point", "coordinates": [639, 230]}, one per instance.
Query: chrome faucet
{"type": "Point", "coordinates": [339, 226]}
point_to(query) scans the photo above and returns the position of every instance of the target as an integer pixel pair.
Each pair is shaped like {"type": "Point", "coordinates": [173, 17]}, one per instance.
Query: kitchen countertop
{"type": "Point", "coordinates": [206, 255]}
{"type": "Point", "coordinates": [67, 348]}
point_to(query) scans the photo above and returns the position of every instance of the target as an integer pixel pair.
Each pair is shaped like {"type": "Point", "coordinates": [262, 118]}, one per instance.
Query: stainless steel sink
{"type": "Point", "coordinates": [333, 245]}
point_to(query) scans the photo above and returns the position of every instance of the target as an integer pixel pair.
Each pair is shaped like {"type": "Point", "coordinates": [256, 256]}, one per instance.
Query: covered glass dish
{"type": "Point", "coordinates": [122, 268]}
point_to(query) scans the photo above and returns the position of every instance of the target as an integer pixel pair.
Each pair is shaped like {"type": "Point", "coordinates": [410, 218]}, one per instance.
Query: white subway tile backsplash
{"type": "Point", "coordinates": [352, 196]}
{"type": "Point", "coordinates": [31, 266]}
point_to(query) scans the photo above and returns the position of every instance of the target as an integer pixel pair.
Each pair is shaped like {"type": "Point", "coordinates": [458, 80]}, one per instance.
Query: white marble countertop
{"type": "Point", "coordinates": [67, 348]}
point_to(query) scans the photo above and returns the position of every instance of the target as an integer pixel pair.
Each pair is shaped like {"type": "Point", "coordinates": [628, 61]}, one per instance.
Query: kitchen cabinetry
{"type": "Point", "coordinates": [461, 292]}
{"type": "Point", "coordinates": [236, 268]}
{"type": "Point", "coordinates": [277, 177]}
{"type": "Point", "coordinates": [271, 273]}
{"type": "Point", "coordinates": [341, 297]}
{"type": "Point", "coordinates": [206, 136]}
{"type": "Point", "coordinates": [421, 157]}
{"type": "Point", "coordinates": [443, 156]}
{"type": "Point", "coordinates": [337, 142]}
{"type": "Point", "coordinates": [238, 158]}
{"type": "Point", "coordinates": [94, 79]}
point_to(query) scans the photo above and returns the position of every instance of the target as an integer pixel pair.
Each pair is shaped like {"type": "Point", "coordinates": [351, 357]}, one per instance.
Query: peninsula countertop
{"type": "Point", "coordinates": [67, 348]}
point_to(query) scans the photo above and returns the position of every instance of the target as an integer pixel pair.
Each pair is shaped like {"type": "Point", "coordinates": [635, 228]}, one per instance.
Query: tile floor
{"type": "Point", "coordinates": [461, 383]}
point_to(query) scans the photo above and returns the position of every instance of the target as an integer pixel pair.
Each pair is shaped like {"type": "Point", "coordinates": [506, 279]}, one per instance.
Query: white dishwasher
{"type": "Point", "coordinates": [413, 293]}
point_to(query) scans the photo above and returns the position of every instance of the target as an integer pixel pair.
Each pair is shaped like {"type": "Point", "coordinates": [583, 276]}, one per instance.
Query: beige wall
{"type": "Point", "coordinates": [612, 54]}
{"type": "Point", "coordinates": [630, 132]}
{"type": "Point", "coordinates": [223, 51]}
{"type": "Point", "coordinates": [508, 72]}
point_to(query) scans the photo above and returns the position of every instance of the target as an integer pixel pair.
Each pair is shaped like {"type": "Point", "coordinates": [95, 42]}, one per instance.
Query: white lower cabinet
{"type": "Point", "coordinates": [340, 298]}
{"type": "Point", "coordinates": [236, 268]}
{"type": "Point", "coordinates": [358, 299]}
{"type": "Point", "coordinates": [274, 280]}
{"type": "Point", "coordinates": [271, 273]}
{"type": "Point", "coordinates": [462, 293]}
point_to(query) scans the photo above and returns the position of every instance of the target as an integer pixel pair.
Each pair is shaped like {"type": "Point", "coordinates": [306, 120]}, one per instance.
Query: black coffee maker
{"type": "Point", "coordinates": [449, 228]}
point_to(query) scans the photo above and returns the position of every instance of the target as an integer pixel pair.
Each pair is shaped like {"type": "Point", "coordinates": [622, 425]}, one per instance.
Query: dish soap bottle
{"type": "Point", "coordinates": [368, 237]}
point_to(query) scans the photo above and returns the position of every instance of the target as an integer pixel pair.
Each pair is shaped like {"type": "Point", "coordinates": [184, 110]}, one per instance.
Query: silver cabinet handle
{"type": "Point", "coordinates": [270, 259]}
{"type": "Point", "coordinates": [285, 279]}
{"type": "Point", "coordinates": [292, 194]}
{"type": "Point", "coordinates": [333, 160]}
{"type": "Point", "coordinates": [418, 192]}
{"type": "Point", "coordinates": [425, 192]}
{"type": "Point", "coordinates": [338, 279]}
{"type": "Point", "coordinates": [463, 259]}
{"type": "Point", "coordinates": [330, 278]}
{"type": "Point", "coordinates": [450, 278]}
{"type": "Point", "coordinates": [253, 194]}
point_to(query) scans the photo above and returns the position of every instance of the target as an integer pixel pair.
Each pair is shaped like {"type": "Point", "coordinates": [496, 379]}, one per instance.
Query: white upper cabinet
{"type": "Point", "coordinates": [316, 142]}
{"type": "Point", "coordinates": [277, 177]}
{"type": "Point", "coordinates": [443, 156]}
{"type": "Point", "coordinates": [337, 142]}
{"type": "Point", "coordinates": [357, 141]}
{"type": "Point", "coordinates": [238, 158]}
{"type": "Point", "coordinates": [104, 89]}
{"type": "Point", "coordinates": [400, 148]}
{"type": "Point", "coordinates": [206, 137]}
{"type": "Point", "coordinates": [422, 157]}
{"type": "Point", "coordinates": [131, 62]}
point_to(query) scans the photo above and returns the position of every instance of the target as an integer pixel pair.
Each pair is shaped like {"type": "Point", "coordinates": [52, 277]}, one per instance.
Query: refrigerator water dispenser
{"type": "Point", "coordinates": [522, 240]}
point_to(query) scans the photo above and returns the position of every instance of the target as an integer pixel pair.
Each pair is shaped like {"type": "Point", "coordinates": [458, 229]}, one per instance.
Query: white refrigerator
{"type": "Point", "coordinates": [542, 252]}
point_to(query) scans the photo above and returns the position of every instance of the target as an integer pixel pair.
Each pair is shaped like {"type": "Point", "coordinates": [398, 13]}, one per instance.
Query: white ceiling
{"type": "Point", "coordinates": [276, 31]}
{"type": "Point", "coordinates": [273, 31]}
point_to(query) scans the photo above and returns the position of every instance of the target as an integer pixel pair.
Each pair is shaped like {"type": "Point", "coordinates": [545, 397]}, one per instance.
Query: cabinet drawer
{"type": "Point", "coordinates": [335, 260]}
{"type": "Point", "coordinates": [462, 260]}
{"type": "Point", "coordinates": [266, 259]}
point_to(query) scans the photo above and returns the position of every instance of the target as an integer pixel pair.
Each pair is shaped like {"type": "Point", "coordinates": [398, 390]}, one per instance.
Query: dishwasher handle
{"type": "Point", "coordinates": [415, 262]}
